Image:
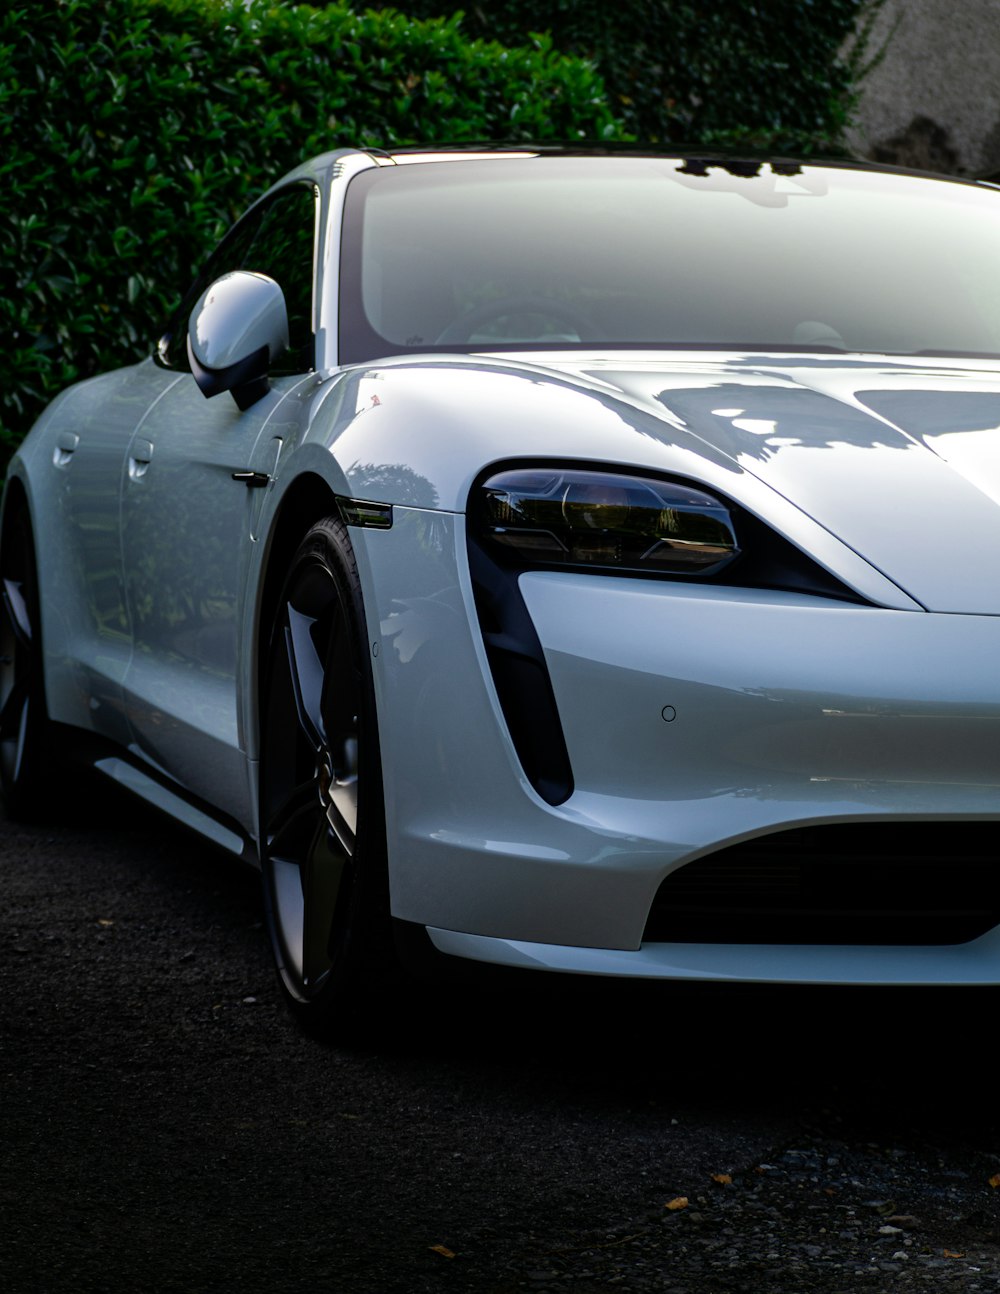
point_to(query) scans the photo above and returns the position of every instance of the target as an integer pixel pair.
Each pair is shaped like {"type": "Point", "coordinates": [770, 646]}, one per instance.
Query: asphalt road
{"type": "Point", "coordinates": [165, 1127]}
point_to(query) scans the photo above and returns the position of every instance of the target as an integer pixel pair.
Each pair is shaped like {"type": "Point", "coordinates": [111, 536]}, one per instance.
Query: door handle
{"type": "Point", "coordinates": [139, 459]}
{"type": "Point", "coordinates": [66, 443]}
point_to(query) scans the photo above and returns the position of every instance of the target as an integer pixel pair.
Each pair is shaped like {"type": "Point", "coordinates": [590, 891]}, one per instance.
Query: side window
{"type": "Point", "coordinates": [276, 239]}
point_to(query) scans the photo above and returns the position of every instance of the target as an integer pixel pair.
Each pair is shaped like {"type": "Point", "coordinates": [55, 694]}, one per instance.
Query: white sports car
{"type": "Point", "coordinates": [581, 562]}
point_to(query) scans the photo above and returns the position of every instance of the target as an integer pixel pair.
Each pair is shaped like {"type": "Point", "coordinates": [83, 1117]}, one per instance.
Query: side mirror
{"type": "Point", "coordinates": [236, 331]}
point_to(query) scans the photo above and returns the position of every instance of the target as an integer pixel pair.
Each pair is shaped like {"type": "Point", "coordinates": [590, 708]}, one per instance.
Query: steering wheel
{"type": "Point", "coordinates": [461, 329]}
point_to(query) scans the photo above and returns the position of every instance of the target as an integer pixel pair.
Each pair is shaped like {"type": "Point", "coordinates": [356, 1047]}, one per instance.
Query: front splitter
{"type": "Point", "coordinates": [973, 963]}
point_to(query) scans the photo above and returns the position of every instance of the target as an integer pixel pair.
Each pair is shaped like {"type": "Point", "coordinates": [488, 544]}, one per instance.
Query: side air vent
{"type": "Point", "coordinates": [520, 676]}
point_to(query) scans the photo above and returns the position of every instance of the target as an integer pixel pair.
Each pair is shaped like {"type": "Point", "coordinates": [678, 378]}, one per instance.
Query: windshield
{"type": "Point", "coordinates": [571, 252]}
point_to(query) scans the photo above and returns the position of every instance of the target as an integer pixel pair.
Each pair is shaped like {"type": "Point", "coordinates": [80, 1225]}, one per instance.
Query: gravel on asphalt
{"type": "Point", "coordinates": [165, 1127]}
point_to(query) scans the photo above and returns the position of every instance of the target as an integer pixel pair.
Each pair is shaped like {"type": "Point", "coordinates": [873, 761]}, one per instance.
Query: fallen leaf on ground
{"type": "Point", "coordinates": [724, 1179]}
{"type": "Point", "coordinates": [679, 1202]}
{"type": "Point", "coordinates": [995, 1180]}
{"type": "Point", "coordinates": [950, 1253]}
{"type": "Point", "coordinates": [105, 921]}
{"type": "Point", "coordinates": [442, 1250]}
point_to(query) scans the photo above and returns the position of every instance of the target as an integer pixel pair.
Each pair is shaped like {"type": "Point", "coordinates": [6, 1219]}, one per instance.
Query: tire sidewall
{"type": "Point", "coordinates": [24, 793]}
{"type": "Point", "coordinates": [361, 942]}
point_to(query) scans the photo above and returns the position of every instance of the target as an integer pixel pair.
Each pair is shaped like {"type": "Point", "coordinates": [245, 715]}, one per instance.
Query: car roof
{"type": "Point", "coordinates": [738, 161]}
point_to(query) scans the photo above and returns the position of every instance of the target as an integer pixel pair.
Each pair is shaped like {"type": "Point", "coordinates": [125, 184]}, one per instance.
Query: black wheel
{"type": "Point", "coordinates": [24, 727]}
{"type": "Point", "coordinates": [322, 816]}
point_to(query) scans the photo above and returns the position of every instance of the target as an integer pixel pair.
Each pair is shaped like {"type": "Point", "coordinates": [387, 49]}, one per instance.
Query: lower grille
{"type": "Point", "coordinates": [849, 883]}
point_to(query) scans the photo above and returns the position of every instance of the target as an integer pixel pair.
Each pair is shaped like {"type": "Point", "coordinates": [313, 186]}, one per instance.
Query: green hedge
{"type": "Point", "coordinates": [132, 133]}
{"type": "Point", "coordinates": [721, 72]}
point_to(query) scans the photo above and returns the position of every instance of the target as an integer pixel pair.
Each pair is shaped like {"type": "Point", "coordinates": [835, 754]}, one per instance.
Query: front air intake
{"type": "Point", "coordinates": [848, 883]}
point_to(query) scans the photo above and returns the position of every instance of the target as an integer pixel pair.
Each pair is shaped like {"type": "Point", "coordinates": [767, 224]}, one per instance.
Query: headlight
{"type": "Point", "coordinates": [600, 519]}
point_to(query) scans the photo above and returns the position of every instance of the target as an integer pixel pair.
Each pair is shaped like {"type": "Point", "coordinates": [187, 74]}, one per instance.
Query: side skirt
{"type": "Point", "coordinates": [160, 792]}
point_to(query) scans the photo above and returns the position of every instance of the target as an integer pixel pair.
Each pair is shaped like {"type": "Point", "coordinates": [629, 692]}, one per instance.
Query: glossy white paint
{"type": "Point", "coordinates": [235, 316]}
{"type": "Point", "coordinates": [75, 500]}
{"type": "Point", "coordinates": [791, 438]}
{"type": "Point", "coordinates": [185, 528]}
{"type": "Point", "coordinates": [779, 721]}
{"type": "Point", "coordinates": [787, 709]}
{"type": "Point", "coordinates": [974, 963]}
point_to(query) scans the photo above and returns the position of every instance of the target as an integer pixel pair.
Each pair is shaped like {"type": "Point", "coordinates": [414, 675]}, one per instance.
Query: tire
{"type": "Point", "coordinates": [25, 754]}
{"type": "Point", "coordinates": [326, 893]}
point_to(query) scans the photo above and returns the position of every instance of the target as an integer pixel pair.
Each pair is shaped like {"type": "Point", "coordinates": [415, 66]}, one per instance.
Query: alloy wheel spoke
{"type": "Point", "coordinates": [12, 741]}
{"type": "Point", "coordinates": [342, 814]}
{"type": "Point", "coordinates": [14, 710]}
{"type": "Point", "coordinates": [340, 690]}
{"type": "Point", "coordinates": [286, 882]}
{"type": "Point", "coordinates": [340, 706]}
{"type": "Point", "coordinates": [322, 877]}
{"type": "Point", "coordinates": [16, 610]}
{"type": "Point", "coordinates": [307, 675]}
{"type": "Point", "coordinates": [291, 825]}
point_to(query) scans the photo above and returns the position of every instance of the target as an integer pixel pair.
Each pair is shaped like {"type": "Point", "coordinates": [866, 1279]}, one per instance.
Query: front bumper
{"type": "Point", "coordinates": [695, 717]}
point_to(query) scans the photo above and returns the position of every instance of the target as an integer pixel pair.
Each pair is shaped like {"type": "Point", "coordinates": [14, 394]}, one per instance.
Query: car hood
{"type": "Point", "coordinates": [899, 460]}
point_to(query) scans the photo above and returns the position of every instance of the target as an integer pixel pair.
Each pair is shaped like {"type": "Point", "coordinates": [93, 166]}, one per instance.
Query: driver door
{"type": "Point", "coordinates": [187, 524]}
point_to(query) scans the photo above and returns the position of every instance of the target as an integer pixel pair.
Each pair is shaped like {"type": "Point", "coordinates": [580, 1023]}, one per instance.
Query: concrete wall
{"type": "Point", "coordinates": [934, 101]}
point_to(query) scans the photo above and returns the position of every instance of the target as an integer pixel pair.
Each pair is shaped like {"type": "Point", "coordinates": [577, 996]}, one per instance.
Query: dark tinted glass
{"type": "Point", "coordinates": [276, 239]}
{"type": "Point", "coordinates": [580, 252]}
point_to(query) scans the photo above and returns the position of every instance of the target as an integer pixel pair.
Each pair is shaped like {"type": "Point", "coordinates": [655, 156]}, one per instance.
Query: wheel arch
{"type": "Point", "coordinates": [27, 754]}
{"type": "Point", "coordinates": [15, 499]}
{"type": "Point", "coordinates": [307, 500]}
{"type": "Point", "coordinates": [16, 503]}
